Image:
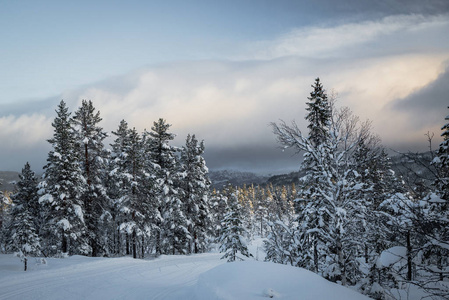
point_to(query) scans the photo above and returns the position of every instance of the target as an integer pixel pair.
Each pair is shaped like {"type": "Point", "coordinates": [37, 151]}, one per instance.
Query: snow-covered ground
{"type": "Point", "coordinates": [202, 276]}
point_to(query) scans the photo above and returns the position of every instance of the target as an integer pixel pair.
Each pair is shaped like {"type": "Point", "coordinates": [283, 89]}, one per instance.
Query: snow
{"type": "Point", "coordinates": [78, 212]}
{"type": "Point", "coordinates": [391, 256]}
{"type": "Point", "coordinates": [46, 198]}
{"type": "Point", "coordinates": [258, 280]}
{"type": "Point", "coordinates": [201, 276]}
{"type": "Point", "coordinates": [64, 223]}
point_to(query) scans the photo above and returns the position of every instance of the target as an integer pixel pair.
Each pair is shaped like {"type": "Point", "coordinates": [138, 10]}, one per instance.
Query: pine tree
{"type": "Point", "coordinates": [23, 229]}
{"type": "Point", "coordinates": [172, 235]}
{"type": "Point", "coordinates": [195, 185]}
{"type": "Point", "coordinates": [319, 114]}
{"type": "Point", "coordinates": [118, 185]}
{"type": "Point", "coordinates": [442, 163]}
{"type": "Point", "coordinates": [133, 209]}
{"type": "Point", "coordinates": [218, 207]}
{"type": "Point", "coordinates": [331, 209]}
{"type": "Point", "coordinates": [62, 189]}
{"type": "Point", "coordinates": [233, 235]}
{"type": "Point", "coordinates": [89, 142]}
{"type": "Point", "coordinates": [261, 211]}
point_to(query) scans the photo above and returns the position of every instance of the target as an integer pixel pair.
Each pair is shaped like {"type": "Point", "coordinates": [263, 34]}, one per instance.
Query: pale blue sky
{"type": "Point", "coordinates": [249, 60]}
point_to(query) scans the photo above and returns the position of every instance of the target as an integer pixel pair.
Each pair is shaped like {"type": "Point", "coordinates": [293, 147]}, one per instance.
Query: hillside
{"type": "Point", "coordinates": [201, 277]}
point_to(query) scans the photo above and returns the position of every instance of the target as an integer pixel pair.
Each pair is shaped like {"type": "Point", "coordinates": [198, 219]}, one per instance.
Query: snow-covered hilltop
{"type": "Point", "coordinates": [194, 277]}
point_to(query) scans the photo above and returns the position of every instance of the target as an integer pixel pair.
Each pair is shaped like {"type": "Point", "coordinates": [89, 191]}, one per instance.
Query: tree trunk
{"type": "Point", "coordinates": [25, 260]}
{"type": "Point", "coordinates": [366, 253]}
{"type": "Point", "coordinates": [64, 242]}
{"type": "Point", "coordinates": [127, 244]}
{"type": "Point", "coordinates": [134, 241]}
{"type": "Point", "coordinates": [195, 241]}
{"type": "Point", "coordinates": [118, 243]}
{"type": "Point", "coordinates": [409, 257]}
{"type": "Point", "coordinates": [341, 262]}
{"type": "Point", "coordinates": [315, 254]}
{"type": "Point", "coordinates": [143, 246]}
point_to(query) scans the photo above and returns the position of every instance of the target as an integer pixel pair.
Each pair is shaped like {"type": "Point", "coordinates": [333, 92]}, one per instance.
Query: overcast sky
{"type": "Point", "coordinates": [222, 70]}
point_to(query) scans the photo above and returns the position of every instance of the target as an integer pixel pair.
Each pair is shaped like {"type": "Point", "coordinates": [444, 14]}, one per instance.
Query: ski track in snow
{"type": "Point", "coordinates": [167, 277]}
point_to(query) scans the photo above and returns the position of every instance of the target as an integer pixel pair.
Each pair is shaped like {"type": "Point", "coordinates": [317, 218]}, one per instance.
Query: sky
{"type": "Point", "coordinates": [222, 70]}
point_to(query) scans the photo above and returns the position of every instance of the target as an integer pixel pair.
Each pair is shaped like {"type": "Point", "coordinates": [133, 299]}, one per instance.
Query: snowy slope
{"type": "Point", "coordinates": [80, 277]}
{"type": "Point", "coordinates": [202, 276]}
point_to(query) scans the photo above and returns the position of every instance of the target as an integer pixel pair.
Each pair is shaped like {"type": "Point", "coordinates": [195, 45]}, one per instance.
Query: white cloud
{"type": "Point", "coordinates": [346, 40]}
{"type": "Point", "coordinates": [24, 131]}
{"type": "Point", "coordinates": [230, 103]}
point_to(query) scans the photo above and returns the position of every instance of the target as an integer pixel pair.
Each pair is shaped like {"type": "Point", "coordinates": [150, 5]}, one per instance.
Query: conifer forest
{"type": "Point", "coordinates": [349, 218]}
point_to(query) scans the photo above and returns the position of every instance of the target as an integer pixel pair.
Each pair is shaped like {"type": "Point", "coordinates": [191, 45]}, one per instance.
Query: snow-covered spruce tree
{"type": "Point", "coordinates": [89, 138]}
{"type": "Point", "coordinates": [319, 114]}
{"type": "Point", "coordinates": [431, 222]}
{"type": "Point", "coordinates": [4, 219]}
{"type": "Point", "coordinates": [442, 163]}
{"type": "Point", "coordinates": [63, 185]}
{"type": "Point", "coordinates": [331, 209]}
{"type": "Point", "coordinates": [261, 211]}
{"type": "Point", "coordinates": [233, 234]}
{"type": "Point", "coordinates": [119, 186]}
{"type": "Point", "coordinates": [135, 208]}
{"type": "Point", "coordinates": [218, 205]}
{"type": "Point", "coordinates": [247, 210]}
{"type": "Point", "coordinates": [23, 230]}
{"type": "Point", "coordinates": [195, 186]}
{"type": "Point", "coordinates": [173, 236]}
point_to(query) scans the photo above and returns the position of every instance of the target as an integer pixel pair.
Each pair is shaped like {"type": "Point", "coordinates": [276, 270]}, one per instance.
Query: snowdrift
{"type": "Point", "coordinates": [258, 280]}
{"type": "Point", "coordinates": [203, 277]}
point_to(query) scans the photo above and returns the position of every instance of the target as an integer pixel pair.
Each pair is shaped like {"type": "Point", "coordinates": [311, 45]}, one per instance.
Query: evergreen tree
{"type": "Point", "coordinates": [195, 185]}
{"type": "Point", "coordinates": [89, 142]}
{"type": "Point", "coordinates": [261, 211]}
{"type": "Point", "coordinates": [442, 163]}
{"type": "Point", "coordinates": [172, 235]}
{"type": "Point", "coordinates": [62, 189]}
{"type": "Point", "coordinates": [23, 229]}
{"type": "Point", "coordinates": [133, 204]}
{"type": "Point", "coordinates": [331, 210]}
{"type": "Point", "coordinates": [233, 235]}
{"type": "Point", "coordinates": [319, 114]}
{"type": "Point", "coordinates": [118, 186]}
{"type": "Point", "coordinates": [218, 207]}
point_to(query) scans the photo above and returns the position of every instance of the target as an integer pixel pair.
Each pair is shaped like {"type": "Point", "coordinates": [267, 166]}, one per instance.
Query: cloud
{"type": "Point", "coordinates": [425, 109]}
{"type": "Point", "coordinates": [229, 104]}
{"type": "Point", "coordinates": [347, 40]}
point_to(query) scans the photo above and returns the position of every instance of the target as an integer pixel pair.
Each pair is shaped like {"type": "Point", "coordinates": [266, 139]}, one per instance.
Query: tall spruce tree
{"type": "Point", "coordinates": [233, 235]}
{"type": "Point", "coordinates": [89, 138]}
{"type": "Point", "coordinates": [133, 208]}
{"type": "Point", "coordinates": [330, 210]}
{"type": "Point", "coordinates": [319, 114]}
{"type": "Point", "coordinates": [172, 236]}
{"type": "Point", "coordinates": [442, 163]}
{"type": "Point", "coordinates": [23, 229]}
{"type": "Point", "coordinates": [195, 186]}
{"type": "Point", "coordinates": [62, 189]}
